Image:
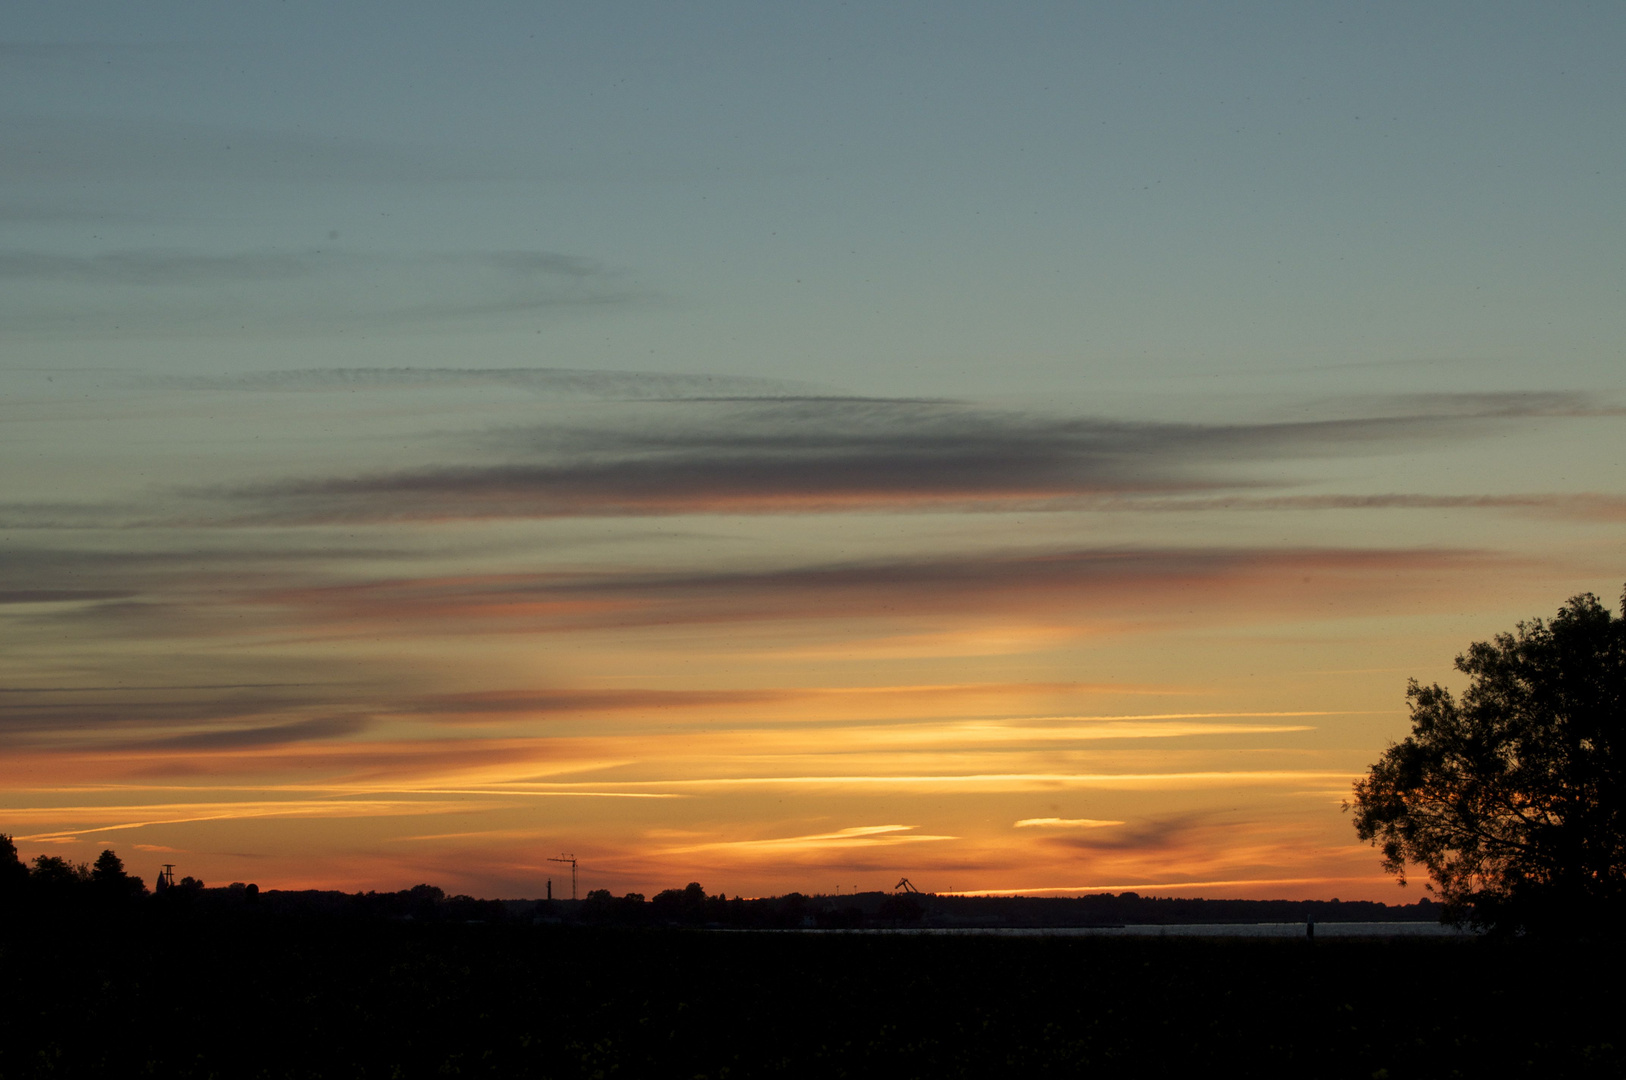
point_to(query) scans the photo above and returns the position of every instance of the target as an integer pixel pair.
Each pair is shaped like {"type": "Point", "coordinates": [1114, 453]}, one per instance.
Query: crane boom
{"type": "Point", "coordinates": [571, 859]}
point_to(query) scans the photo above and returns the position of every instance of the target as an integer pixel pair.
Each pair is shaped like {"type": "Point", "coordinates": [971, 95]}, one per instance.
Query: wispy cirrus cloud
{"type": "Point", "coordinates": [794, 703]}
{"type": "Point", "coordinates": [1071, 582]}
{"type": "Point", "coordinates": [177, 598]}
{"type": "Point", "coordinates": [292, 290]}
{"type": "Point", "coordinates": [1147, 837]}
{"type": "Point", "coordinates": [1582, 507]}
{"type": "Point", "coordinates": [550, 382]}
{"type": "Point", "coordinates": [61, 596]}
{"type": "Point", "coordinates": [696, 444]}
{"type": "Point", "coordinates": [249, 738]}
{"type": "Point", "coordinates": [973, 782]}
{"type": "Point", "coordinates": [331, 767]}
{"type": "Point", "coordinates": [187, 718]}
{"type": "Point", "coordinates": [858, 836]}
{"type": "Point", "coordinates": [96, 817]}
{"type": "Point", "coordinates": [53, 712]}
{"type": "Point", "coordinates": [792, 454]}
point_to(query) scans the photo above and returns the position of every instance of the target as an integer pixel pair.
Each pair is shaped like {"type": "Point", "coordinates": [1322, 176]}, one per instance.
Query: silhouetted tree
{"type": "Point", "coordinates": [111, 882]}
{"type": "Point", "coordinates": [1512, 798]}
{"type": "Point", "coordinates": [54, 880]}
{"type": "Point", "coordinates": [108, 868]}
{"type": "Point", "coordinates": [598, 906]}
{"type": "Point", "coordinates": [686, 905]}
{"type": "Point", "coordinates": [13, 874]}
{"type": "Point", "coordinates": [422, 901]}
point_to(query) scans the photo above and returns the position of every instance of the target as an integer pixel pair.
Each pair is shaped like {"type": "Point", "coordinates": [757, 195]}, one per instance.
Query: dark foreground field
{"type": "Point", "coordinates": [274, 999]}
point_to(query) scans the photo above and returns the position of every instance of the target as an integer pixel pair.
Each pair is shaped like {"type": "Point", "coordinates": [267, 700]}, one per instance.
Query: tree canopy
{"type": "Point", "coordinates": [1512, 797]}
{"type": "Point", "coordinates": [13, 872]}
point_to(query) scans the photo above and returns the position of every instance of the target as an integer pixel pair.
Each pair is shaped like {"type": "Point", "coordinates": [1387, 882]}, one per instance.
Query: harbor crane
{"type": "Point", "coordinates": [571, 859]}
{"type": "Point", "coordinates": [904, 885]}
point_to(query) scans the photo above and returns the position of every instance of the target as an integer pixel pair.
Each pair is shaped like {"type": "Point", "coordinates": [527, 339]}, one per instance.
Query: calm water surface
{"type": "Point", "coordinates": [1253, 930]}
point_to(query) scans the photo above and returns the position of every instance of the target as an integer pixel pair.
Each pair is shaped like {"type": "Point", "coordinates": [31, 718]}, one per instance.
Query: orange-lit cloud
{"type": "Point", "coordinates": [1055, 584]}
{"type": "Point", "coordinates": [857, 836]}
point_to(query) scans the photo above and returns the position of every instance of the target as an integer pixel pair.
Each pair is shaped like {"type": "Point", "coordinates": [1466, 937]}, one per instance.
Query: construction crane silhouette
{"type": "Point", "coordinates": [571, 859]}
{"type": "Point", "coordinates": [905, 885]}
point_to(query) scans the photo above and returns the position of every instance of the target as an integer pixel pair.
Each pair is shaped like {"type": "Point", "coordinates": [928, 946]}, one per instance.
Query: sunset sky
{"type": "Point", "coordinates": [1018, 447]}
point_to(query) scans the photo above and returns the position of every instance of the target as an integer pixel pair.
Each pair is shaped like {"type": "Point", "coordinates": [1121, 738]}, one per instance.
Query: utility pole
{"type": "Point", "coordinates": [571, 859]}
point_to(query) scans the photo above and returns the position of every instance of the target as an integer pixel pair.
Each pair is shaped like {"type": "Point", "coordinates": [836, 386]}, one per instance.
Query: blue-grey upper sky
{"type": "Point", "coordinates": [1031, 199]}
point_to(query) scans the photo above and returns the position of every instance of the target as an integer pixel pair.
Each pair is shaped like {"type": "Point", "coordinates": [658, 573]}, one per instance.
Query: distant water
{"type": "Point", "coordinates": [1247, 930]}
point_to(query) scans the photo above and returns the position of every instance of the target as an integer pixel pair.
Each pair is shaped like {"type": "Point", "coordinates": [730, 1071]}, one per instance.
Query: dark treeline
{"type": "Point", "coordinates": [691, 906]}
{"type": "Point", "coordinates": [51, 883]}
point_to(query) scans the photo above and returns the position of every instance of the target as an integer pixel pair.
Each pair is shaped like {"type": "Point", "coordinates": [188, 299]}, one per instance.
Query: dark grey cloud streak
{"type": "Point", "coordinates": [199, 716]}
{"type": "Point", "coordinates": [73, 169]}
{"type": "Point", "coordinates": [1168, 833]}
{"type": "Point", "coordinates": [184, 601]}
{"type": "Point", "coordinates": [1114, 583]}
{"type": "Point", "coordinates": [699, 444]}
{"type": "Point", "coordinates": [792, 454]}
{"type": "Point", "coordinates": [248, 738]}
{"type": "Point", "coordinates": [1585, 507]}
{"type": "Point", "coordinates": [175, 289]}
{"type": "Point", "coordinates": [547, 382]}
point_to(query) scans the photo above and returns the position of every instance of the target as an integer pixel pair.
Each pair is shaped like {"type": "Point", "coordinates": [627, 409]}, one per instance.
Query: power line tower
{"type": "Point", "coordinates": [571, 859]}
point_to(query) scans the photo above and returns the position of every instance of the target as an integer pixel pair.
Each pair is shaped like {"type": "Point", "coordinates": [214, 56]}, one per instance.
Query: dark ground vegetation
{"type": "Point", "coordinates": [99, 977]}
{"type": "Point", "coordinates": [179, 994]}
